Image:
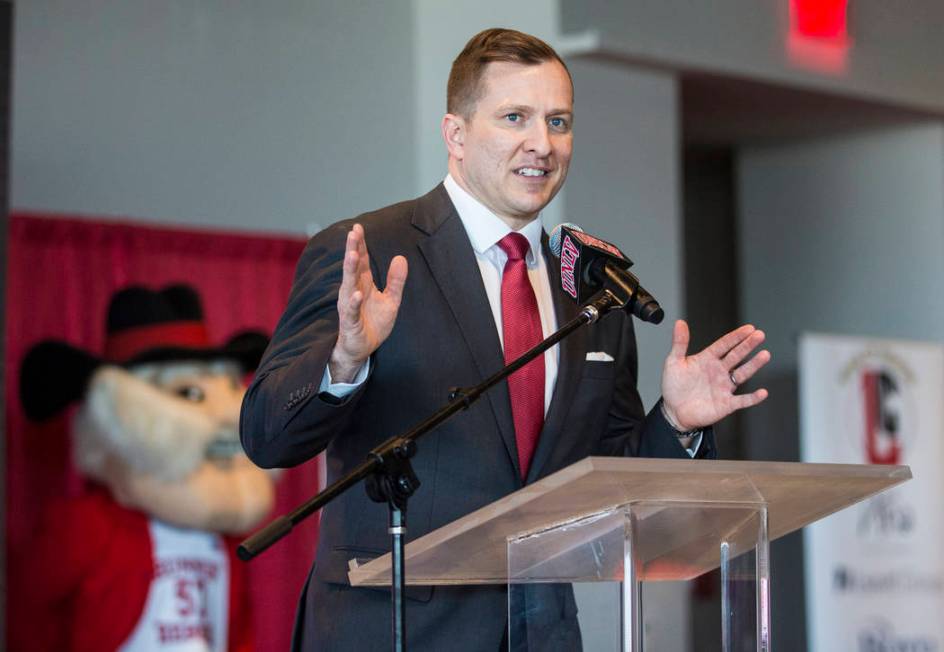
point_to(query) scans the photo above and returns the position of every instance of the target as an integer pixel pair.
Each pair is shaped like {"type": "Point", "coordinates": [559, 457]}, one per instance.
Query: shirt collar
{"type": "Point", "coordinates": [485, 228]}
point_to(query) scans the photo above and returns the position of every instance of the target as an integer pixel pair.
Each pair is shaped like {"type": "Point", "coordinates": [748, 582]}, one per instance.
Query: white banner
{"type": "Point", "coordinates": [874, 580]}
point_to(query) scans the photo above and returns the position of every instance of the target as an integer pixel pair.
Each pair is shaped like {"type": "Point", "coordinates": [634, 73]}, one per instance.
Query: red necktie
{"type": "Point", "coordinates": [521, 330]}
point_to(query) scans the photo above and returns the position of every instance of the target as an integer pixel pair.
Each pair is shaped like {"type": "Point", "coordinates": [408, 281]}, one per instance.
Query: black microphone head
{"type": "Point", "coordinates": [555, 241]}
{"type": "Point", "coordinates": [652, 313]}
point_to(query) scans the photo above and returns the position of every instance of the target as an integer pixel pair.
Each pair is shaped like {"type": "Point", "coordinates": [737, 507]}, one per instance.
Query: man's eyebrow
{"type": "Point", "coordinates": [520, 108]}
{"type": "Point", "coordinates": [524, 108]}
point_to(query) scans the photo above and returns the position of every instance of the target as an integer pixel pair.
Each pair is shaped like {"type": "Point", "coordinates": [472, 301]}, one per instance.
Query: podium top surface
{"type": "Point", "coordinates": [473, 549]}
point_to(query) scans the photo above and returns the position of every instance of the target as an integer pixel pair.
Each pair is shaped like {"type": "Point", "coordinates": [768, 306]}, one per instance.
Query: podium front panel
{"type": "Point", "coordinates": [607, 556]}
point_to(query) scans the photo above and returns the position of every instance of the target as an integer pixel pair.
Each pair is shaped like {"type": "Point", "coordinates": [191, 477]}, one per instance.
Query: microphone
{"type": "Point", "coordinates": [589, 264]}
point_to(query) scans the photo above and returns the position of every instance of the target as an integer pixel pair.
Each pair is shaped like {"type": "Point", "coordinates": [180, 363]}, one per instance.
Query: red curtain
{"type": "Point", "coordinates": [61, 273]}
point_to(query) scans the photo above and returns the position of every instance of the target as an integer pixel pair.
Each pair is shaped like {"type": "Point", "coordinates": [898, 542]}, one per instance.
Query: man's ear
{"type": "Point", "coordinates": [453, 129]}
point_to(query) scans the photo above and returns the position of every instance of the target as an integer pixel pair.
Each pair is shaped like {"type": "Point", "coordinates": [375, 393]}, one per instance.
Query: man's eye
{"type": "Point", "coordinates": [558, 123]}
{"type": "Point", "coordinates": [513, 117]}
{"type": "Point", "coordinates": [191, 393]}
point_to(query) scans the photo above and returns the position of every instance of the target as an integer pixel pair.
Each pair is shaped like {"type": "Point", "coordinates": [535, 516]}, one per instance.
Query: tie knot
{"type": "Point", "coordinates": [515, 246]}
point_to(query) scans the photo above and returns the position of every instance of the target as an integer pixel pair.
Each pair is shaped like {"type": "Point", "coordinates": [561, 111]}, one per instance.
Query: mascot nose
{"type": "Point", "coordinates": [223, 405]}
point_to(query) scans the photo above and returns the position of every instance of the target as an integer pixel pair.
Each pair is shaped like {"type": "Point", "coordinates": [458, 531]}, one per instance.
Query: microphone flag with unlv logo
{"type": "Point", "coordinates": [577, 250]}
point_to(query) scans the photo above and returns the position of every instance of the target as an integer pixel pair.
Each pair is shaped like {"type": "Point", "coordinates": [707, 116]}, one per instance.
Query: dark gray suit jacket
{"type": "Point", "coordinates": [444, 337]}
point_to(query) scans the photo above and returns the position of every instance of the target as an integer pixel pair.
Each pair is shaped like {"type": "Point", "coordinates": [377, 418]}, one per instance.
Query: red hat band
{"type": "Point", "coordinates": [123, 346]}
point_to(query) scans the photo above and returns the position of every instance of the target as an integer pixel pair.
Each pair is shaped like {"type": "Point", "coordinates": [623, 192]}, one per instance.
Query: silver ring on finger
{"type": "Point", "coordinates": [733, 379]}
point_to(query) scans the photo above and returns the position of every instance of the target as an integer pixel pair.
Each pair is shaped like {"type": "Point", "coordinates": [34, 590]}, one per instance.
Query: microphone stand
{"type": "Point", "coordinates": [390, 476]}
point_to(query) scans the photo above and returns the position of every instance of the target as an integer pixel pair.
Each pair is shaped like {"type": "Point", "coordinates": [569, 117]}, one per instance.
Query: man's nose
{"type": "Point", "coordinates": [539, 140]}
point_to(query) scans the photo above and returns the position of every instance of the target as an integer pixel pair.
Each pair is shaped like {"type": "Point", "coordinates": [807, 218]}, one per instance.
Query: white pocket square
{"type": "Point", "coordinates": [599, 356]}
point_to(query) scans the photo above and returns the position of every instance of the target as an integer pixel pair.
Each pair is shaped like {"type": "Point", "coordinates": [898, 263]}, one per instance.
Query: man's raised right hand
{"type": "Point", "coordinates": [365, 314]}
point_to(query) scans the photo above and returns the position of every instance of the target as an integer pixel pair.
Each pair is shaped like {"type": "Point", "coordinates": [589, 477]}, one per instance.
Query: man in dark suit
{"type": "Point", "coordinates": [351, 364]}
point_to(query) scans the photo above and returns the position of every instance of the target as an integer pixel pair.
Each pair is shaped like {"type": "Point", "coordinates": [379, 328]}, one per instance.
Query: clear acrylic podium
{"type": "Point", "coordinates": [612, 523]}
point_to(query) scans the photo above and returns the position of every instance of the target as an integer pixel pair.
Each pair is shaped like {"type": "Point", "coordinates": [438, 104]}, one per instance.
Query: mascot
{"type": "Point", "coordinates": [143, 558]}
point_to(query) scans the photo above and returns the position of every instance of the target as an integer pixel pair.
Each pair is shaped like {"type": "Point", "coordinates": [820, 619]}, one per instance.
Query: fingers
{"type": "Point", "coordinates": [349, 269]}
{"type": "Point", "coordinates": [357, 280]}
{"type": "Point", "coordinates": [357, 245]}
{"type": "Point", "coordinates": [349, 311]}
{"type": "Point", "coordinates": [350, 296]}
{"type": "Point", "coordinates": [680, 339]}
{"type": "Point", "coordinates": [361, 243]}
{"type": "Point", "coordinates": [396, 279]}
{"type": "Point", "coordinates": [742, 401]}
{"type": "Point", "coordinates": [735, 356]}
{"type": "Point", "coordinates": [747, 370]}
{"type": "Point", "coordinates": [357, 288]}
{"type": "Point", "coordinates": [356, 261]}
{"type": "Point", "coordinates": [723, 345]}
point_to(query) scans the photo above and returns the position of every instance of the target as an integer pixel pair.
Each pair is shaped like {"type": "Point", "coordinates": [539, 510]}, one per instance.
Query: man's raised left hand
{"type": "Point", "coordinates": [699, 390]}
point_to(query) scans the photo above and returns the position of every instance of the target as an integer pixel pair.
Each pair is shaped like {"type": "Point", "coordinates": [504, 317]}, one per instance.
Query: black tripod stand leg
{"type": "Point", "coordinates": [397, 587]}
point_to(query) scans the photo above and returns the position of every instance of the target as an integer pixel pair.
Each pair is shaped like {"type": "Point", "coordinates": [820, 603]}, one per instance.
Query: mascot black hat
{"type": "Point", "coordinates": [143, 325]}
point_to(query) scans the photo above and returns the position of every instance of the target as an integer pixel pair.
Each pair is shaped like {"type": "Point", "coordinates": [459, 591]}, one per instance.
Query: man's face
{"type": "Point", "coordinates": [513, 151]}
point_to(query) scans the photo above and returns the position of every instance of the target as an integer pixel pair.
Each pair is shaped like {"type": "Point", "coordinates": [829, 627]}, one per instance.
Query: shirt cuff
{"type": "Point", "coordinates": [343, 390]}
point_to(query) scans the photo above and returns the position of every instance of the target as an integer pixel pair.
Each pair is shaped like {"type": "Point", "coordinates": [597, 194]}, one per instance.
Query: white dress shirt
{"type": "Point", "coordinates": [485, 229]}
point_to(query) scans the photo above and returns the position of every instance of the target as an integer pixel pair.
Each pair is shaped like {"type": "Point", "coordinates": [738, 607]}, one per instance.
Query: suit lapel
{"type": "Point", "coordinates": [572, 352]}
{"type": "Point", "coordinates": [453, 267]}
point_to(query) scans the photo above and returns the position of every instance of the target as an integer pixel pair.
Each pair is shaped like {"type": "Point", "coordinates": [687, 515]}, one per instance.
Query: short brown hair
{"type": "Point", "coordinates": [496, 44]}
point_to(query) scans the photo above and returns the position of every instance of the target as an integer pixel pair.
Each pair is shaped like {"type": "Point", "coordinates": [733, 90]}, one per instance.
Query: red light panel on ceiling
{"type": "Point", "coordinates": [819, 19]}
{"type": "Point", "coordinates": [819, 36]}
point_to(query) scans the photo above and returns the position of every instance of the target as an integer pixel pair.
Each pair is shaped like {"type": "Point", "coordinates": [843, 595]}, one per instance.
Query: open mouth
{"type": "Point", "coordinates": [531, 172]}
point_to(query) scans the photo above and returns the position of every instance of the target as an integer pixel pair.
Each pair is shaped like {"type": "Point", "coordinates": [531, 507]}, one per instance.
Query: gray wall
{"type": "Point", "coordinates": [895, 54]}
{"type": "Point", "coordinates": [267, 116]}
{"type": "Point", "coordinates": [842, 235]}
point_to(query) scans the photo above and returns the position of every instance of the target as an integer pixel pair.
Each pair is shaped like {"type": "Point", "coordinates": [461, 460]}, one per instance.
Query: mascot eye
{"type": "Point", "coordinates": [191, 393]}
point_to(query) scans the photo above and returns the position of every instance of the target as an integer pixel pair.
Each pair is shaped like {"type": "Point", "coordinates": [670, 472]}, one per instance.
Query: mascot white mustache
{"type": "Point", "coordinates": [156, 432]}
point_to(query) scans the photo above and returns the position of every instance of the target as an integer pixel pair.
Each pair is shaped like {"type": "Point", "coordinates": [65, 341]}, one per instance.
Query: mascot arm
{"type": "Point", "coordinates": [61, 568]}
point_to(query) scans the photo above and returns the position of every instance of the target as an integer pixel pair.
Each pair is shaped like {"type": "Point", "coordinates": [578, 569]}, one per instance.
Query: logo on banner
{"type": "Point", "coordinates": [879, 406]}
{"type": "Point", "coordinates": [886, 516]}
{"type": "Point", "coordinates": [848, 579]}
{"type": "Point", "coordinates": [880, 394]}
{"type": "Point", "coordinates": [880, 636]}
